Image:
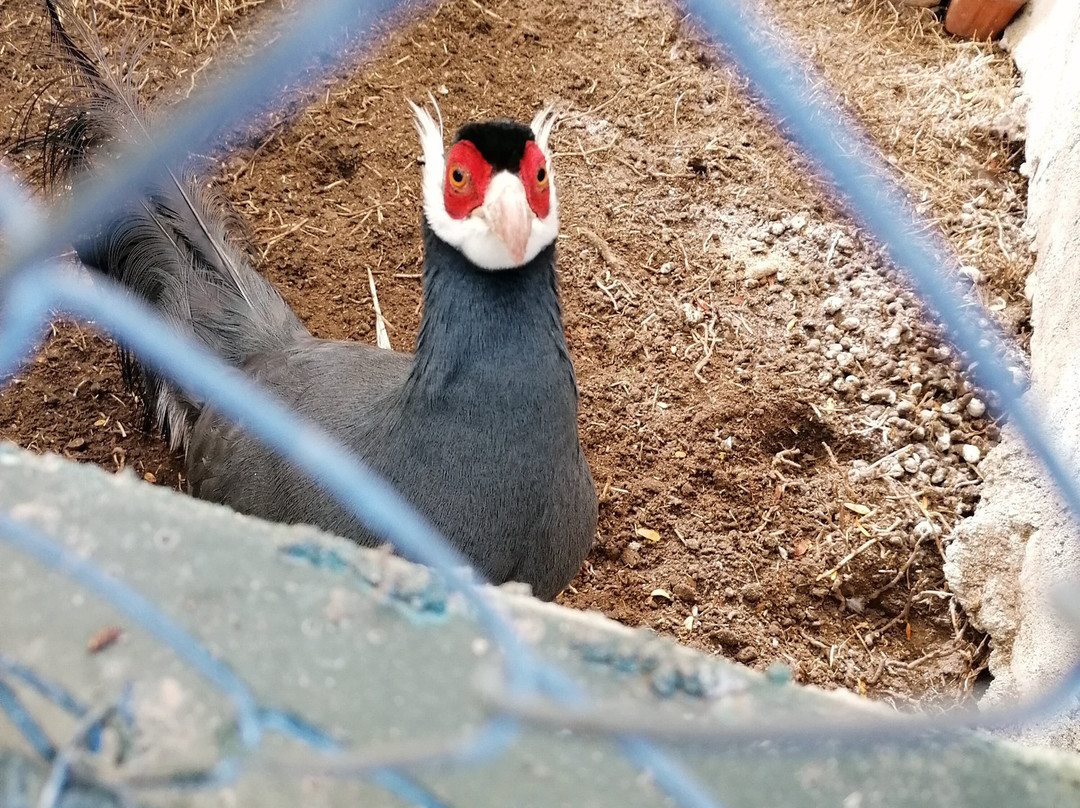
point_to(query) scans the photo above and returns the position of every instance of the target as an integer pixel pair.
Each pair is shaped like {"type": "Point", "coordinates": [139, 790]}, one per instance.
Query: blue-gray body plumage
{"type": "Point", "coordinates": [477, 429]}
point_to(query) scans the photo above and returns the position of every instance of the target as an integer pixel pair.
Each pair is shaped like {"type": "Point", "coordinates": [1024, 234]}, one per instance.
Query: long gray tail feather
{"type": "Point", "coordinates": [180, 245]}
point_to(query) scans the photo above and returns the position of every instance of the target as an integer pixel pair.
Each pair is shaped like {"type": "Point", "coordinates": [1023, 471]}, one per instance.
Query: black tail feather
{"type": "Point", "coordinates": [178, 244]}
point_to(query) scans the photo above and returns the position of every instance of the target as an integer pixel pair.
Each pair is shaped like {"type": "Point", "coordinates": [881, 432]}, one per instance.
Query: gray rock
{"type": "Point", "coordinates": [832, 305]}
{"type": "Point", "coordinates": [851, 324]}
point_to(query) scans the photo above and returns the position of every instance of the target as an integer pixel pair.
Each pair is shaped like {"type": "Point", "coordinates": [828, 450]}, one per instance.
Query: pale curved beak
{"type": "Point", "coordinates": [507, 212]}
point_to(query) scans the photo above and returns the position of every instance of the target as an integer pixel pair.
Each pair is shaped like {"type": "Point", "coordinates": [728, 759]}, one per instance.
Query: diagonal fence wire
{"type": "Point", "coordinates": [308, 49]}
{"type": "Point", "coordinates": [31, 289]}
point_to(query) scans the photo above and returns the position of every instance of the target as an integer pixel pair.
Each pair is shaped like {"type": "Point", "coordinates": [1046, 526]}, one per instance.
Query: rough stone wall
{"type": "Point", "coordinates": [1005, 560]}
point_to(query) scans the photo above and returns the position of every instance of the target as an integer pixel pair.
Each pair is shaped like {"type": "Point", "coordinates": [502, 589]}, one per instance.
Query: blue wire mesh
{"type": "Point", "coordinates": [532, 691]}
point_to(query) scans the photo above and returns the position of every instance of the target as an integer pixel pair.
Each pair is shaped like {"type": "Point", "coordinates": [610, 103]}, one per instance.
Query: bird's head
{"type": "Point", "coordinates": [491, 195]}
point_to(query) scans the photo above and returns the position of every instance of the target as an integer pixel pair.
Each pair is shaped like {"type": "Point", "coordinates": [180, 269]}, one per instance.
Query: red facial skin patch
{"type": "Point", "coordinates": [467, 175]}
{"type": "Point", "coordinates": [534, 176]}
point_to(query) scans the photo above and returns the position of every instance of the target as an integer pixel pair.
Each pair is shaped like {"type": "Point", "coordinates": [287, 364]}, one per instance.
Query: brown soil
{"type": "Point", "coordinates": [762, 407]}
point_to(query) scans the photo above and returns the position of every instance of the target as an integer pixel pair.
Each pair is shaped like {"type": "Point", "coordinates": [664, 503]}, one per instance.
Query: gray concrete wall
{"type": "Point", "coordinates": [1004, 561]}
{"type": "Point", "coordinates": [366, 647]}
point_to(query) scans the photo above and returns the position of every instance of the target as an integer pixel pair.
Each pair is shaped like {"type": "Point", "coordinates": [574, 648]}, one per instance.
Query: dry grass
{"type": "Point", "coordinates": [947, 120]}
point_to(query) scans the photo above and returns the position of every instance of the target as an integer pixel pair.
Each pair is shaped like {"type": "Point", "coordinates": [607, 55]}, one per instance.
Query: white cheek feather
{"type": "Point", "coordinates": [542, 124]}
{"type": "Point", "coordinates": [472, 236]}
{"type": "Point", "coordinates": [431, 143]}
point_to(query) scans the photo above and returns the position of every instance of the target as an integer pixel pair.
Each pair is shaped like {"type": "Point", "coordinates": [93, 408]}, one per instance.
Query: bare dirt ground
{"type": "Point", "coordinates": [780, 442]}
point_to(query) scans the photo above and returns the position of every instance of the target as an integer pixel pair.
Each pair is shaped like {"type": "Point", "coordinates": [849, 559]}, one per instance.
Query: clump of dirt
{"type": "Point", "coordinates": [780, 441]}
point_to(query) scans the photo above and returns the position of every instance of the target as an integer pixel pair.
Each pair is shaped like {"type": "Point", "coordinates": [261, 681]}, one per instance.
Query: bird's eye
{"type": "Point", "coordinates": [541, 176]}
{"type": "Point", "coordinates": [458, 177]}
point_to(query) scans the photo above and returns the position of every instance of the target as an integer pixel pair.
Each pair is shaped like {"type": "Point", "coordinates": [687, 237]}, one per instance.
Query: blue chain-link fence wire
{"type": "Point", "coordinates": [31, 288]}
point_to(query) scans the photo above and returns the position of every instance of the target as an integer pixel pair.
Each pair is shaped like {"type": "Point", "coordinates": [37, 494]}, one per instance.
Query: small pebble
{"type": "Point", "coordinates": [976, 408]}
{"type": "Point", "coordinates": [692, 313]}
{"type": "Point", "coordinates": [971, 454]}
{"type": "Point", "coordinates": [752, 592]}
{"type": "Point", "coordinates": [882, 395]}
{"type": "Point", "coordinates": [972, 274]}
{"type": "Point", "coordinates": [943, 440]}
{"type": "Point", "coordinates": [760, 269]}
{"type": "Point", "coordinates": [631, 557]}
{"type": "Point", "coordinates": [747, 655]}
{"type": "Point", "coordinates": [832, 305]}
{"type": "Point", "coordinates": [685, 592]}
{"type": "Point", "coordinates": [726, 638]}
{"type": "Point", "coordinates": [850, 324]}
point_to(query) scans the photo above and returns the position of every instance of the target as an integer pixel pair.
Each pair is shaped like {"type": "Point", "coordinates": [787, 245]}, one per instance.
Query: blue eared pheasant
{"type": "Point", "coordinates": [477, 428]}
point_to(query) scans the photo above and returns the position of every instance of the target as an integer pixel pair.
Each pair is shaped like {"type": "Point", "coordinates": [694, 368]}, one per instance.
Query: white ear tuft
{"type": "Point", "coordinates": [431, 176]}
{"type": "Point", "coordinates": [431, 135]}
{"type": "Point", "coordinates": [542, 125]}
{"type": "Point", "coordinates": [438, 112]}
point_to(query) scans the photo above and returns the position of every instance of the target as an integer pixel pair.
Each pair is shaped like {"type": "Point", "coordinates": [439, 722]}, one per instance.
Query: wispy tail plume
{"type": "Point", "coordinates": [177, 244]}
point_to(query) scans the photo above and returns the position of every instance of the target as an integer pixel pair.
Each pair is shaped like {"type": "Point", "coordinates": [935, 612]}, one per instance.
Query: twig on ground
{"type": "Point", "coordinates": [609, 257]}
{"type": "Point", "coordinates": [866, 545]}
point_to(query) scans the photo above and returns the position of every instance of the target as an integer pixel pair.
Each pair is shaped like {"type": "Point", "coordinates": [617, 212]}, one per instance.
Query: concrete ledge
{"type": "Point", "coordinates": [368, 648]}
